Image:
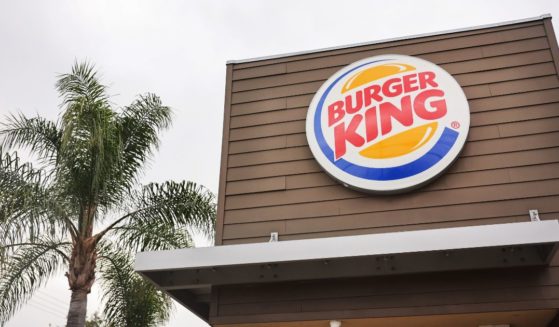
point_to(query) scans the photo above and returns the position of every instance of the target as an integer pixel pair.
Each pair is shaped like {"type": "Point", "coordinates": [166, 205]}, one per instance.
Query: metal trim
{"type": "Point", "coordinates": [466, 29]}
{"type": "Point", "coordinates": [409, 242]}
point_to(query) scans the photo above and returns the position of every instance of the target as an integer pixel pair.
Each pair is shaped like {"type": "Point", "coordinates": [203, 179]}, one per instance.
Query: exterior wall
{"type": "Point", "coordinates": [271, 183]}
{"type": "Point", "coordinates": [413, 295]}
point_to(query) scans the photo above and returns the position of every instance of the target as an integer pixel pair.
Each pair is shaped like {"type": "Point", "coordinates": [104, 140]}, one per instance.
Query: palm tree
{"type": "Point", "coordinates": [82, 208]}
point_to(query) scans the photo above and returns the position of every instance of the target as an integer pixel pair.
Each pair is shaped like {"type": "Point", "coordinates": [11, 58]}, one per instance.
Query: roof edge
{"type": "Point", "coordinates": [451, 238]}
{"type": "Point", "coordinates": [415, 36]}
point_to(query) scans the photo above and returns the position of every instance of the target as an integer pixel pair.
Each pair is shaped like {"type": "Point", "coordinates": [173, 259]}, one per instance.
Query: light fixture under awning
{"type": "Point", "coordinates": [188, 274]}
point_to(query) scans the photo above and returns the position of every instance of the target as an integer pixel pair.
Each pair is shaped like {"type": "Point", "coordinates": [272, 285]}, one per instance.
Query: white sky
{"type": "Point", "coordinates": [178, 50]}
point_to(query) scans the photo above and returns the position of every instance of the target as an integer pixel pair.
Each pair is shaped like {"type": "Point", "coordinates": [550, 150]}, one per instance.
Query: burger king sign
{"type": "Point", "coordinates": [388, 123]}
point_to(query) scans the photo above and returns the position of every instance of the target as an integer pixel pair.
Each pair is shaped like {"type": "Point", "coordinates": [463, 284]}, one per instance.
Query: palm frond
{"type": "Point", "coordinates": [90, 144]}
{"type": "Point", "coordinates": [26, 270]}
{"type": "Point", "coordinates": [13, 171]}
{"type": "Point", "coordinates": [29, 205]}
{"type": "Point", "coordinates": [139, 126]}
{"type": "Point", "coordinates": [39, 135]}
{"type": "Point", "coordinates": [129, 299]}
{"type": "Point", "coordinates": [179, 204]}
{"type": "Point", "coordinates": [151, 235]}
{"type": "Point", "coordinates": [82, 85]}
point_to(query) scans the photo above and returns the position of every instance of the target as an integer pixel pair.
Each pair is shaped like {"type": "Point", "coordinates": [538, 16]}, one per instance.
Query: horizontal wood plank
{"type": "Point", "coordinates": [335, 192]}
{"type": "Point", "coordinates": [481, 91]}
{"type": "Point", "coordinates": [397, 300]}
{"type": "Point", "coordinates": [469, 66]}
{"type": "Point", "coordinates": [474, 92]}
{"type": "Point", "coordinates": [255, 186]}
{"type": "Point", "coordinates": [239, 74]}
{"type": "Point", "coordinates": [384, 285]}
{"type": "Point", "coordinates": [389, 312]}
{"type": "Point", "coordinates": [278, 116]}
{"type": "Point", "coordinates": [512, 159]}
{"type": "Point", "coordinates": [443, 298]}
{"type": "Point", "coordinates": [464, 79]}
{"type": "Point", "coordinates": [414, 49]}
{"type": "Point", "coordinates": [448, 181]}
{"type": "Point", "coordinates": [258, 106]}
{"type": "Point", "coordinates": [496, 35]}
{"type": "Point", "coordinates": [324, 207]}
{"type": "Point", "coordinates": [531, 98]}
{"type": "Point", "coordinates": [506, 115]}
{"type": "Point", "coordinates": [260, 232]}
{"type": "Point", "coordinates": [512, 139]}
{"type": "Point", "coordinates": [514, 100]}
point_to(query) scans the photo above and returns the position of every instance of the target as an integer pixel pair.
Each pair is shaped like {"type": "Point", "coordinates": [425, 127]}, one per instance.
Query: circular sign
{"type": "Point", "coordinates": [388, 123]}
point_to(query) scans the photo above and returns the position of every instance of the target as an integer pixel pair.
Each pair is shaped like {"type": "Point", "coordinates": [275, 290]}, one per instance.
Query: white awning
{"type": "Point", "coordinates": [188, 274]}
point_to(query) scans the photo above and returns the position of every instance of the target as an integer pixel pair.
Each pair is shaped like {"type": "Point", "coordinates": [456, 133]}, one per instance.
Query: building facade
{"type": "Point", "coordinates": [462, 250]}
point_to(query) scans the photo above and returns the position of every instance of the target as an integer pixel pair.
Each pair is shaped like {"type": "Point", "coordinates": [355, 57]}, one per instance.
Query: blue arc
{"type": "Point", "coordinates": [428, 160]}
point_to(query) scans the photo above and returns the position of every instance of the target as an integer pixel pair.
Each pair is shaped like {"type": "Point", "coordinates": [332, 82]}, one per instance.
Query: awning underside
{"type": "Point", "coordinates": [189, 274]}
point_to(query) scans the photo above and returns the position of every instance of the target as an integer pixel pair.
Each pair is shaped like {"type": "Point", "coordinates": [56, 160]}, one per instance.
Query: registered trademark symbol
{"type": "Point", "coordinates": [455, 124]}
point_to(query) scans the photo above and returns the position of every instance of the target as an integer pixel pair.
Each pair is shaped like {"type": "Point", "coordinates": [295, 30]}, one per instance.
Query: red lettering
{"type": "Point", "coordinates": [352, 108]}
{"type": "Point", "coordinates": [438, 106]}
{"type": "Point", "coordinates": [372, 93]}
{"type": "Point", "coordinates": [378, 118]}
{"type": "Point", "coordinates": [335, 112]}
{"type": "Point", "coordinates": [371, 126]}
{"type": "Point", "coordinates": [427, 78]}
{"type": "Point", "coordinates": [410, 83]}
{"type": "Point", "coordinates": [392, 87]}
{"type": "Point", "coordinates": [341, 135]}
{"type": "Point", "coordinates": [388, 111]}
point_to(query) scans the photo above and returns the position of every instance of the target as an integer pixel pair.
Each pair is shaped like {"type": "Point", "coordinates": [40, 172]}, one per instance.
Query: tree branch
{"type": "Point", "coordinates": [71, 227]}
{"type": "Point", "coordinates": [119, 220]}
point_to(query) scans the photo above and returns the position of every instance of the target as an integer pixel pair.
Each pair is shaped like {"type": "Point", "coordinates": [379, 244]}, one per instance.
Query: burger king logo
{"type": "Point", "coordinates": [388, 123]}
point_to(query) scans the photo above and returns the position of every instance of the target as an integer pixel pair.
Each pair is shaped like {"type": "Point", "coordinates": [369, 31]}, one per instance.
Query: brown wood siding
{"type": "Point", "coordinates": [510, 164]}
{"type": "Point", "coordinates": [224, 157]}
{"type": "Point", "coordinates": [440, 293]}
{"type": "Point", "coordinates": [512, 154]}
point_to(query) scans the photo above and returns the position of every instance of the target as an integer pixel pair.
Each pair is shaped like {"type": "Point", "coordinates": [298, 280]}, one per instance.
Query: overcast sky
{"type": "Point", "coordinates": [178, 50]}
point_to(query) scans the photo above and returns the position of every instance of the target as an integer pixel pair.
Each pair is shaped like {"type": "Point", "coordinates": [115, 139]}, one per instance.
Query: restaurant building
{"type": "Point", "coordinates": [404, 182]}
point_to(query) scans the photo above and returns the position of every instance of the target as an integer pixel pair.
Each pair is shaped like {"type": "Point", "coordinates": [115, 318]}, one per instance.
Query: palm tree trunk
{"type": "Point", "coordinates": [81, 276]}
{"type": "Point", "coordinates": [78, 309]}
